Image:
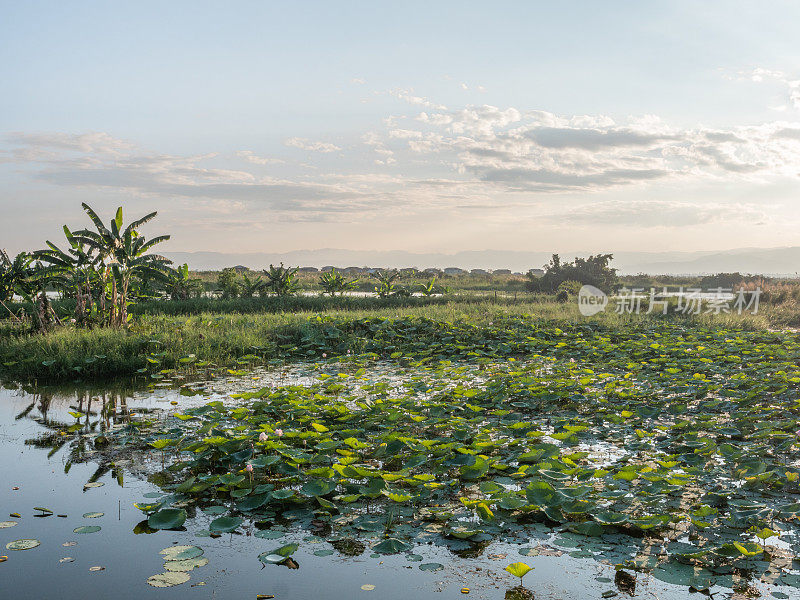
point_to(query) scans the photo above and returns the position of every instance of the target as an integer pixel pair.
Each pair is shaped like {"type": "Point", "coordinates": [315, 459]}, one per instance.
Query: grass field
{"type": "Point", "coordinates": [221, 339]}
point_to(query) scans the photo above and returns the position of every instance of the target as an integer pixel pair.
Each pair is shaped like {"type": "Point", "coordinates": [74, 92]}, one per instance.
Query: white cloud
{"type": "Point", "coordinates": [310, 145]}
{"type": "Point", "coordinates": [408, 96]}
{"type": "Point", "coordinates": [760, 74]}
{"type": "Point", "coordinates": [476, 156]}
{"type": "Point", "coordinates": [252, 157]}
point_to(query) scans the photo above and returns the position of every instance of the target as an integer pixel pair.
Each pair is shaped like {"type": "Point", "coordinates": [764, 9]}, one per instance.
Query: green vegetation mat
{"type": "Point", "coordinates": [675, 448]}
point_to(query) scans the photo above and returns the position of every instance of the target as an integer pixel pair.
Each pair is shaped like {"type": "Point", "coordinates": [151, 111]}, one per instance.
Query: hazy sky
{"type": "Point", "coordinates": [423, 126]}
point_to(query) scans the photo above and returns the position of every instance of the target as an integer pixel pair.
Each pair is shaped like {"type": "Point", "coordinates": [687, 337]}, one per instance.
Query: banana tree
{"type": "Point", "coordinates": [335, 283]}
{"type": "Point", "coordinates": [73, 271]}
{"type": "Point", "coordinates": [16, 276]}
{"type": "Point", "coordinates": [181, 285]}
{"type": "Point", "coordinates": [122, 254]}
{"type": "Point", "coordinates": [251, 287]}
{"type": "Point", "coordinates": [386, 286]}
{"type": "Point", "coordinates": [281, 280]}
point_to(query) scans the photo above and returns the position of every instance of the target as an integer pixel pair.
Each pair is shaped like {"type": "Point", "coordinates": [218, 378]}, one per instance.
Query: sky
{"type": "Point", "coordinates": [419, 126]}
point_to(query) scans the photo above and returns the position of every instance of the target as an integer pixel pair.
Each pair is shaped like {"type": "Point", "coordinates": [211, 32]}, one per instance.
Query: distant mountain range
{"type": "Point", "coordinates": [765, 261]}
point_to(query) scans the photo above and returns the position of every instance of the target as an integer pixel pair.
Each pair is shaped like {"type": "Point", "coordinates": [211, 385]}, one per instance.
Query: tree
{"type": "Point", "coordinates": [16, 276]}
{"type": "Point", "coordinates": [386, 286]}
{"type": "Point", "coordinates": [251, 287]}
{"type": "Point", "coordinates": [334, 283]}
{"type": "Point", "coordinates": [181, 286]}
{"type": "Point", "coordinates": [75, 273]}
{"type": "Point", "coordinates": [594, 270]}
{"type": "Point", "coordinates": [281, 280]}
{"type": "Point", "coordinates": [118, 256]}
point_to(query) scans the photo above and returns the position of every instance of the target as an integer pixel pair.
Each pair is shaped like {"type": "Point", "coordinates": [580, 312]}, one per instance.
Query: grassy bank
{"type": "Point", "coordinates": [210, 340]}
{"type": "Point", "coordinates": [294, 304]}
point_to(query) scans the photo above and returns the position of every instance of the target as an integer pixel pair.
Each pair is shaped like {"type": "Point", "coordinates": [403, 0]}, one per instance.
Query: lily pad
{"type": "Point", "coordinates": [391, 546]}
{"type": "Point", "coordinates": [181, 552]}
{"type": "Point", "coordinates": [278, 555]}
{"type": "Point", "coordinates": [167, 518]}
{"type": "Point", "coordinates": [168, 579]}
{"type": "Point", "coordinates": [225, 524]}
{"type": "Point", "coordinates": [186, 564]}
{"type": "Point", "coordinates": [87, 529]}
{"type": "Point", "coordinates": [22, 544]}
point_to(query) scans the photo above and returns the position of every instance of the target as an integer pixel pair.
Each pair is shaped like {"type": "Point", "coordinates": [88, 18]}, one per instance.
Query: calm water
{"type": "Point", "coordinates": [234, 570]}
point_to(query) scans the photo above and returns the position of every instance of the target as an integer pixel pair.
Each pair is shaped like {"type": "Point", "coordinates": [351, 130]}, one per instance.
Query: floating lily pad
{"type": "Point", "coordinates": [225, 524]}
{"type": "Point", "coordinates": [168, 579]}
{"type": "Point", "coordinates": [185, 565]}
{"type": "Point", "coordinates": [391, 546]}
{"type": "Point", "coordinates": [167, 518]}
{"type": "Point", "coordinates": [22, 544]}
{"type": "Point", "coordinates": [181, 552]}
{"type": "Point", "coordinates": [87, 529]}
{"type": "Point", "coordinates": [270, 534]}
{"type": "Point", "coordinates": [7, 524]}
{"type": "Point", "coordinates": [431, 567]}
{"type": "Point", "coordinates": [215, 510]}
{"type": "Point", "coordinates": [93, 515]}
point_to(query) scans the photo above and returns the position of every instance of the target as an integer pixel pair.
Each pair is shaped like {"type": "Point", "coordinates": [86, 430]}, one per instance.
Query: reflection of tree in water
{"type": "Point", "coordinates": [96, 413]}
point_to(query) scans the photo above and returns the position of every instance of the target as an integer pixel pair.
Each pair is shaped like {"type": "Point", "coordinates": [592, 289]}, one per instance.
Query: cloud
{"type": "Point", "coordinates": [312, 146]}
{"type": "Point", "coordinates": [594, 139]}
{"type": "Point", "coordinates": [542, 151]}
{"type": "Point", "coordinates": [408, 96]}
{"type": "Point", "coordinates": [430, 158]}
{"type": "Point", "coordinates": [374, 140]}
{"type": "Point", "coordinates": [251, 157]}
{"type": "Point", "coordinates": [792, 86]}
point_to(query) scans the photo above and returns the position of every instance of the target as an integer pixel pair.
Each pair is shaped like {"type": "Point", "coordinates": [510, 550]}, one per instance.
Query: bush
{"type": "Point", "coordinates": [594, 270]}
{"type": "Point", "coordinates": [228, 284]}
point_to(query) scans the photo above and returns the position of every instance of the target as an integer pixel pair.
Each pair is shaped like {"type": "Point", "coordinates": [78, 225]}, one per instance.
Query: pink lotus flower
{"type": "Point", "coordinates": [262, 437]}
{"type": "Point", "coordinates": [324, 355]}
{"type": "Point", "coordinates": [249, 468]}
{"type": "Point", "coordinates": [279, 432]}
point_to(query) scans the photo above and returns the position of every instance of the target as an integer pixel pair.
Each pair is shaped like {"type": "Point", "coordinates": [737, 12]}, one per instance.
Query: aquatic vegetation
{"type": "Point", "coordinates": [519, 569]}
{"type": "Point", "coordinates": [683, 441]}
{"type": "Point", "coordinates": [22, 544]}
{"type": "Point", "coordinates": [663, 448]}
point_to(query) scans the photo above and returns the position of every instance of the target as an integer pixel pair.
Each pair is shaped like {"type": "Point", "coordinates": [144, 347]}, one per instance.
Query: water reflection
{"type": "Point", "coordinates": [52, 454]}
